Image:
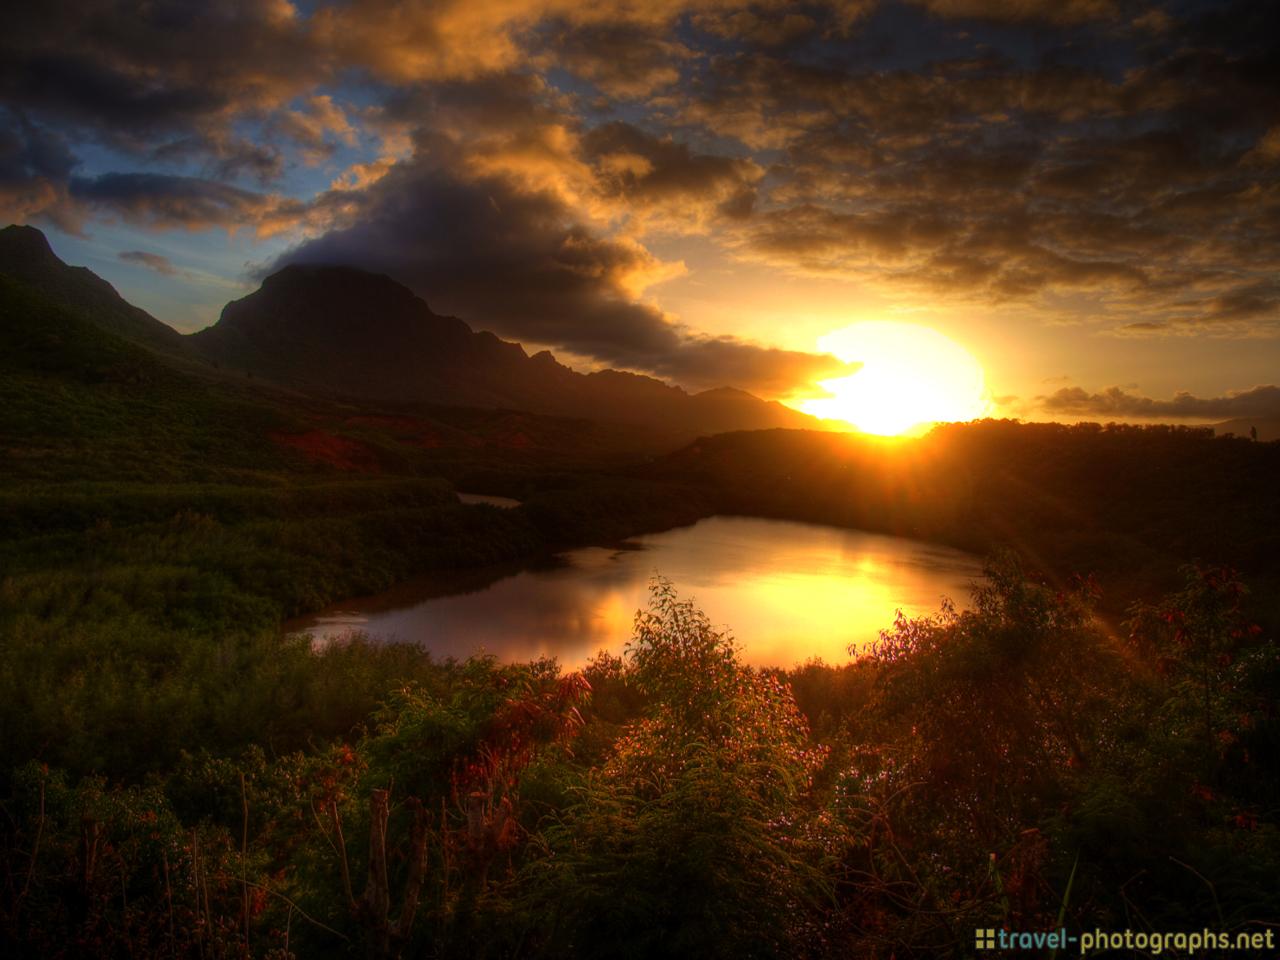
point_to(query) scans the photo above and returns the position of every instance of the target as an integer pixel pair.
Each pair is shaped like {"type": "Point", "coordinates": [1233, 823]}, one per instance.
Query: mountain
{"type": "Point", "coordinates": [346, 332]}
{"type": "Point", "coordinates": [79, 402]}
{"type": "Point", "coordinates": [25, 256]}
{"type": "Point", "coordinates": [342, 333]}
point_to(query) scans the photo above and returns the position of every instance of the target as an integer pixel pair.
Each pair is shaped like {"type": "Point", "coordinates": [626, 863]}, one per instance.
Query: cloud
{"type": "Point", "coordinates": [163, 201]}
{"type": "Point", "coordinates": [622, 60]}
{"type": "Point", "coordinates": [152, 261]}
{"type": "Point", "coordinates": [516, 261]}
{"type": "Point", "coordinates": [35, 164]}
{"type": "Point", "coordinates": [1260, 401]}
{"type": "Point", "coordinates": [1017, 11]}
{"type": "Point", "coordinates": [131, 75]}
{"type": "Point", "coordinates": [512, 214]}
{"type": "Point", "coordinates": [658, 175]}
{"type": "Point", "coordinates": [1147, 195]}
{"type": "Point", "coordinates": [1083, 160]}
{"type": "Point", "coordinates": [765, 28]}
{"type": "Point", "coordinates": [318, 127]}
{"type": "Point", "coordinates": [465, 40]}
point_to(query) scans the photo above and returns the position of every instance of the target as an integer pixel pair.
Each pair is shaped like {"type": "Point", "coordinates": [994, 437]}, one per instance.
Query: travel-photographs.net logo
{"type": "Point", "coordinates": [1152, 943]}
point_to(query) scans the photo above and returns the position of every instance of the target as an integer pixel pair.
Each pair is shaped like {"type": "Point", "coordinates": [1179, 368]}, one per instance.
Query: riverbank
{"type": "Point", "coordinates": [142, 618]}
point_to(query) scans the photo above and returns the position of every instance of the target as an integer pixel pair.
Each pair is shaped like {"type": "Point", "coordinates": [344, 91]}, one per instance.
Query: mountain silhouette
{"type": "Point", "coordinates": [342, 332]}
{"type": "Point", "coordinates": [25, 256]}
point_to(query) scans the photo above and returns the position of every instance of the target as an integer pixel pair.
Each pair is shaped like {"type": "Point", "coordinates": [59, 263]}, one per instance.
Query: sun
{"type": "Point", "coordinates": [910, 376]}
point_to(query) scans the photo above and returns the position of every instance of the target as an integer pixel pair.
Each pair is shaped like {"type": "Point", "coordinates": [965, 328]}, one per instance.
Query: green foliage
{"type": "Point", "coordinates": [685, 809]}
{"type": "Point", "coordinates": [688, 840]}
{"type": "Point", "coordinates": [1027, 675]}
{"type": "Point", "coordinates": [611, 508]}
{"type": "Point", "coordinates": [129, 617]}
{"type": "Point", "coordinates": [1021, 746]}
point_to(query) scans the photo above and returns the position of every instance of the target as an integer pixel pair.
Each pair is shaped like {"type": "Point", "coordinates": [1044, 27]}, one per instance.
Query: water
{"type": "Point", "coordinates": [787, 591]}
{"type": "Point", "coordinates": [506, 503]}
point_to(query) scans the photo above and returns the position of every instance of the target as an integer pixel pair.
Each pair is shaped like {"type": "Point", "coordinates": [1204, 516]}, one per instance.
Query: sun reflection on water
{"type": "Point", "coordinates": [788, 592]}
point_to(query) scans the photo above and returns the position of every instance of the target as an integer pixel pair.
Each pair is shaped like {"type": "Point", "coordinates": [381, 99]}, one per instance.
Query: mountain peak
{"type": "Point", "coordinates": [20, 243]}
{"type": "Point", "coordinates": [350, 283]}
{"type": "Point", "coordinates": [331, 306]}
{"type": "Point", "coordinates": [289, 272]}
{"type": "Point", "coordinates": [26, 256]}
{"type": "Point", "coordinates": [345, 331]}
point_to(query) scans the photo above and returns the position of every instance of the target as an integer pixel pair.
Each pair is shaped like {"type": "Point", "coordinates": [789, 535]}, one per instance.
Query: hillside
{"type": "Point", "coordinates": [81, 403]}
{"type": "Point", "coordinates": [341, 331]}
{"type": "Point", "coordinates": [25, 256]}
{"type": "Point", "coordinates": [345, 334]}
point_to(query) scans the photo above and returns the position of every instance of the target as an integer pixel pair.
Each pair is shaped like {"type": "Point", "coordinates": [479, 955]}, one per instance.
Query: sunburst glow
{"type": "Point", "coordinates": [910, 376]}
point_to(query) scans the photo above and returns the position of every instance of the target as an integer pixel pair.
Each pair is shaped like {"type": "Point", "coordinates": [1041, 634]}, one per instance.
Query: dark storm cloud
{"type": "Point", "coordinates": [1262, 401]}
{"type": "Point", "coordinates": [514, 261]}
{"type": "Point", "coordinates": [1145, 175]}
{"type": "Point", "coordinates": [131, 74]}
{"type": "Point", "coordinates": [648, 171]}
{"type": "Point", "coordinates": [191, 203]}
{"type": "Point", "coordinates": [152, 261]}
{"type": "Point", "coordinates": [35, 164]}
{"type": "Point", "coordinates": [758, 27]}
{"type": "Point", "coordinates": [1018, 11]}
{"type": "Point", "coordinates": [28, 151]}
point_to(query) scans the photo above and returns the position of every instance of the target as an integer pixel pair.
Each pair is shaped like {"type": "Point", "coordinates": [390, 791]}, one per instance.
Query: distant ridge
{"type": "Point", "coordinates": [344, 331]}
{"type": "Point", "coordinates": [25, 256]}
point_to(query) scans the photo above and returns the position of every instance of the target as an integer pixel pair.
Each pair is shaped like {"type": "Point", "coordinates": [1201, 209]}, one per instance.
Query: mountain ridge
{"type": "Point", "coordinates": [341, 331]}
{"type": "Point", "coordinates": [26, 256]}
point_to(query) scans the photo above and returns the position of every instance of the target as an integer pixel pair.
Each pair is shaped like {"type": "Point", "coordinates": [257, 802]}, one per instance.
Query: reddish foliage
{"type": "Point", "coordinates": [408, 430]}
{"type": "Point", "coordinates": [321, 447]}
{"type": "Point", "coordinates": [482, 785]}
{"type": "Point", "coordinates": [1245, 820]}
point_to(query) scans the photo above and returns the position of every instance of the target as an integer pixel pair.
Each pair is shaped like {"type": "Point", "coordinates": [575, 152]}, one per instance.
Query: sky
{"type": "Point", "coordinates": [1082, 195]}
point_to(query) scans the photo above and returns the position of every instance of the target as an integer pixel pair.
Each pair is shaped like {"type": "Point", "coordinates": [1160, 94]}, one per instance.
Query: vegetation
{"type": "Point", "coordinates": [178, 779]}
{"type": "Point", "coordinates": [1007, 765]}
